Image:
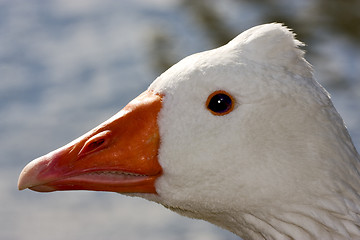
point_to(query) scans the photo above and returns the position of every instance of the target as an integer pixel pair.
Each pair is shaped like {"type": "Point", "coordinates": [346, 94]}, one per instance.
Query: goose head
{"type": "Point", "coordinates": [241, 136]}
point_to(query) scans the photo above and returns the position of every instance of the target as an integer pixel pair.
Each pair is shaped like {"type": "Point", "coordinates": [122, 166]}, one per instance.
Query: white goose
{"type": "Point", "coordinates": [241, 136]}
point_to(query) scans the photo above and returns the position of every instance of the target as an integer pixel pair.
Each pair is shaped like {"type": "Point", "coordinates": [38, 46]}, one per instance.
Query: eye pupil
{"type": "Point", "coordinates": [220, 103]}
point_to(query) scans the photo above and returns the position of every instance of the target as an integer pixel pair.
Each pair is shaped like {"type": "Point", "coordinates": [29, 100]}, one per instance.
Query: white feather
{"type": "Point", "coordinates": [281, 165]}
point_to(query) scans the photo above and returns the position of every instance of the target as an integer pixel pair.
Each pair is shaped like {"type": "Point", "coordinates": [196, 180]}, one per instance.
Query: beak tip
{"type": "Point", "coordinates": [20, 188]}
{"type": "Point", "coordinates": [28, 176]}
{"type": "Point", "coordinates": [22, 181]}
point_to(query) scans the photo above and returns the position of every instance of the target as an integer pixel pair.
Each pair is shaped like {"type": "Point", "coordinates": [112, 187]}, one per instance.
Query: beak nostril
{"type": "Point", "coordinates": [95, 143]}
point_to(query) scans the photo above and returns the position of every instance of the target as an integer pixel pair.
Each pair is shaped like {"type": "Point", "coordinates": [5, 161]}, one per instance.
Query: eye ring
{"type": "Point", "coordinates": [220, 103]}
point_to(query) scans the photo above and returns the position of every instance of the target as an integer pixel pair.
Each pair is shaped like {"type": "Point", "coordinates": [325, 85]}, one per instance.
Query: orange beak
{"type": "Point", "coordinates": [120, 155]}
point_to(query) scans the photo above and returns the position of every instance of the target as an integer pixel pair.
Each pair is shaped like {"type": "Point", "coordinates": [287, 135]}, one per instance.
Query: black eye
{"type": "Point", "coordinates": [220, 103]}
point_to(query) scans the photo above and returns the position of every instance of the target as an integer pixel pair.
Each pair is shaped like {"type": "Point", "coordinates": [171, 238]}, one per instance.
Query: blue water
{"type": "Point", "coordinates": [66, 66]}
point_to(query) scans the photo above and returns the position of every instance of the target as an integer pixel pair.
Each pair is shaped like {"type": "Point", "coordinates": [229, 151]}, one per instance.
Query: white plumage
{"type": "Point", "coordinates": [281, 165]}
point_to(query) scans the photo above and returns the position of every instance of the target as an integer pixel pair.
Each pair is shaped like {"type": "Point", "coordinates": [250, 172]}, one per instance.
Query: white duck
{"type": "Point", "coordinates": [241, 136]}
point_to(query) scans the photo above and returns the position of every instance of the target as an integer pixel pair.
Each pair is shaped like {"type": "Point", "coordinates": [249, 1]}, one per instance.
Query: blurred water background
{"type": "Point", "coordinates": [66, 66]}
